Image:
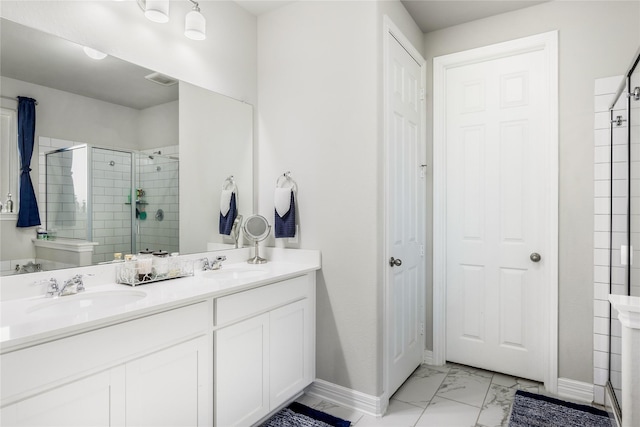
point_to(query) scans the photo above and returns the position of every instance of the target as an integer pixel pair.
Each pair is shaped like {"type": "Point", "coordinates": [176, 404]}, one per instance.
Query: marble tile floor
{"type": "Point", "coordinates": [441, 396]}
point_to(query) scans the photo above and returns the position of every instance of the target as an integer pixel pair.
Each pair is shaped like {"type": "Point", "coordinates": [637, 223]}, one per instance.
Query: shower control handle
{"type": "Point", "coordinates": [395, 262]}
{"type": "Point", "coordinates": [535, 257]}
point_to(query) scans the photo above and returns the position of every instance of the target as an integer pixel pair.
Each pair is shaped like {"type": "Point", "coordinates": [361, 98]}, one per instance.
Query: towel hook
{"type": "Point", "coordinates": [230, 181]}
{"type": "Point", "coordinates": [286, 177]}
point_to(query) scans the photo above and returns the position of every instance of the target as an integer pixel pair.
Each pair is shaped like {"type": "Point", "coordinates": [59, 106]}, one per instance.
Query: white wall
{"type": "Point", "coordinates": [65, 115]}
{"type": "Point", "coordinates": [158, 126]}
{"type": "Point", "coordinates": [319, 94]}
{"type": "Point", "coordinates": [596, 39]}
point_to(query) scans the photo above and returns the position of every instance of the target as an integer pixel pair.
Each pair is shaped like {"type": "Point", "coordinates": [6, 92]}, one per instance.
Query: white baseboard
{"type": "Point", "coordinates": [365, 403]}
{"type": "Point", "coordinates": [427, 357]}
{"type": "Point", "coordinates": [575, 390]}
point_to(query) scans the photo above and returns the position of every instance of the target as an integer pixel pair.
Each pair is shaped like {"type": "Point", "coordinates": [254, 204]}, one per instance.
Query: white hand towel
{"type": "Point", "coordinates": [225, 201]}
{"type": "Point", "coordinates": [282, 200]}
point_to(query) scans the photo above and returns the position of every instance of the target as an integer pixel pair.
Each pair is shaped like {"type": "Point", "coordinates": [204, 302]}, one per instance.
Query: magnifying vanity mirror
{"type": "Point", "coordinates": [256, 229]}
{"type": "Point", "coordinates": [143, 154]}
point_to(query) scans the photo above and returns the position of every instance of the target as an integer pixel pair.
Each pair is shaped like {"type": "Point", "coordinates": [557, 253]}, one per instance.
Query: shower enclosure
{"type": "Point", "coordinates": [122, 200]}
{"type": "Point", "coordinates": [624, 218]}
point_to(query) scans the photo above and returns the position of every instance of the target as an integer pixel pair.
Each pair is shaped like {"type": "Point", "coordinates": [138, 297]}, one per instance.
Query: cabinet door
{"type": "Point", "coordinates": [290, 347]}
{"type": "Point", "coordinates": [85, 402]}
{"type": "Point", "coordinates": [241, 372]}
{"type": "Point", "coordinates": [165, 388]}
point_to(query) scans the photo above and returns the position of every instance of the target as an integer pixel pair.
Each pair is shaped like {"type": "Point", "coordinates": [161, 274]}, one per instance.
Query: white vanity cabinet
{"type": "Point", "coordinates": [209, 350]}
{"type": "Point", "coordinates": [264, 349]}
{"type": "Point", "coordinates": [151, 371]}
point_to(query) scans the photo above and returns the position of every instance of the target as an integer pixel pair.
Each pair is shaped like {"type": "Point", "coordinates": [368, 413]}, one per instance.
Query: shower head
{"type": "Point", "coordinates": [155, 152]}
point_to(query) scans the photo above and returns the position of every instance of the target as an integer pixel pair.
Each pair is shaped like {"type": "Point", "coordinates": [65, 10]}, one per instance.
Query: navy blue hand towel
{"type": "Point", "coordinates": [226, 221]}
{"type": "Point", "coordinates": [286, 224]}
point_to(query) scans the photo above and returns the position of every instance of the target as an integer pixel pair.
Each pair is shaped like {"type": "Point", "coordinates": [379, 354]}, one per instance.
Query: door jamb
{"type": "Point", "coordinates": [548, 43]}
{"type": "Point", "coordinates": [391, 30]}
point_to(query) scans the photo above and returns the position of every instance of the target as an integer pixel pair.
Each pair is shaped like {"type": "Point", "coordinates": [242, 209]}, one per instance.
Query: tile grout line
{"type": "Point", "coordinates": [432, 397]}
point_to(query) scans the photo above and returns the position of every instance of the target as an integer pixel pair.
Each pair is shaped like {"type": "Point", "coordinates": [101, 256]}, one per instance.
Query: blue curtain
{"type": "Point", "coordinates": [28, 214]}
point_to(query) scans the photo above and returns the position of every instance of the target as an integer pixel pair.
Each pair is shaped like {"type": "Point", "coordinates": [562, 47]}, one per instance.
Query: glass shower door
{"type": "Point", "coordinates": [157, 205]}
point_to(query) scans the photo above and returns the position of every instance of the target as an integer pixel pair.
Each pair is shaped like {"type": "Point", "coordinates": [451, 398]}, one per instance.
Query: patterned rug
{"type": "Point", "coordinates": [299, 415]}
{"type": "Point", "coordinates": [532, 410]}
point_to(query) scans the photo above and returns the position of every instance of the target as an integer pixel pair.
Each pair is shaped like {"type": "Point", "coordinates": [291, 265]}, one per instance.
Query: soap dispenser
{"type": "Point", "coordinates": [9, 203]}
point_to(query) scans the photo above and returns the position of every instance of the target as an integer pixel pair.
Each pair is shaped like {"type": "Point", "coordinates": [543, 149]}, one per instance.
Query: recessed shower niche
{"type": "Point", "coordinates": [124, 201]}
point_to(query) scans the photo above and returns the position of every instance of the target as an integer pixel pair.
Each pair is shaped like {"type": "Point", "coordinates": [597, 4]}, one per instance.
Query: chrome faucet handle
{"type": "Point", "coordinates": [52, 287]}
{"type": "Point", "coordinates": [205, 263]}
{"type": "Point", "coordinates": [77, 279]}
{"type": "Point", "coordinates": [217, 262]}
{"type": "Point", "coordinates": [76, 283]}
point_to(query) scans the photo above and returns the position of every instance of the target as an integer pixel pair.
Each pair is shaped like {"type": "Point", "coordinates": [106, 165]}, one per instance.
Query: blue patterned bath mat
{"type": "Point", "coordinates": [299, 415]}
{"type": "Point", "coordinates": [533, 410]}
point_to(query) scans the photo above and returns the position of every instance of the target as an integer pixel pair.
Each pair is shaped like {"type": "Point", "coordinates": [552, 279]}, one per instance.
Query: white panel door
{"type": "Point", "coordinates": [405, 215]}
{"type": "Point", "coordinates": [496, 214]}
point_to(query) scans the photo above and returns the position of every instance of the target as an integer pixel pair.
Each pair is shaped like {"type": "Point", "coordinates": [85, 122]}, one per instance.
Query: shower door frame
{"type": "Point", "coordinates": [624, 90]}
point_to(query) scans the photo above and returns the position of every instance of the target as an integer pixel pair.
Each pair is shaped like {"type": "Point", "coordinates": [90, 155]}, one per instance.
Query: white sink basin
{"type": "Point", "coordinates": [82, 302]}
{"type": "Point", "coordinates": [233, 273]}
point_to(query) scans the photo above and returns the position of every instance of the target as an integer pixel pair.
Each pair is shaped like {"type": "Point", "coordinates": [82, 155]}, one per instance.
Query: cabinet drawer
{"type": "Point", "coordinates": [243, 304]}
{"type": "Point", "coordinates": [56, 362]}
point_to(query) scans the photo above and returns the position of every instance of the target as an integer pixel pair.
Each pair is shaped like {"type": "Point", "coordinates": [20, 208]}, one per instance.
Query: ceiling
{"type": "Point", "coordinates": [430, 15]}
{"type": "Point", "coordinates": [30, 55]}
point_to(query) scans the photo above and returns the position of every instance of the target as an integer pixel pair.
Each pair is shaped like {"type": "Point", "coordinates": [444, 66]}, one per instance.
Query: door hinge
{"type": "Point", "coordinates": [421, 94]}
{"type": "Point", "coordinates": [423, 171]}
{"type": "Point", "coordinates": [421, 328]}
{"type": "Point", "coordinates": [421, 250]}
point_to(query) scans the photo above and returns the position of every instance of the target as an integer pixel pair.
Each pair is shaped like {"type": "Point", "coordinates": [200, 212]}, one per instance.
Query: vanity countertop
{"type": "Point", "coordinates": [34, 319]}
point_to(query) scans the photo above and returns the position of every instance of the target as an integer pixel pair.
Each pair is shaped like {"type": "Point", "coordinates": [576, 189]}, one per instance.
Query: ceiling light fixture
{"type": "Point", "coordinates": [157, 10]}
{"type": "Point", "coordinates": [94, 54]}
{"type": "Point", "coordinates": [195, 26]}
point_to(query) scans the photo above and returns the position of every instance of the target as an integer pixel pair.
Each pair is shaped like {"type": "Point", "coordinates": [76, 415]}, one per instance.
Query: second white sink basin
{"type": "Point", "coordinates": [86, 301]}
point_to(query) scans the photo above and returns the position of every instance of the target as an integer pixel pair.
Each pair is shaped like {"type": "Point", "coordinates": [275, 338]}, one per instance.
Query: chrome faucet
{"type": "Point", "coordinates": [215, 264]}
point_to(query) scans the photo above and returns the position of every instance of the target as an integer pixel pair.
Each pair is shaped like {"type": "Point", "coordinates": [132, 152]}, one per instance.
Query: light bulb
{"type": "Point", "coordinates": [94, 54]}
{"type": "Point", "coordinates": [157, 10]}
{"type": "Point", "coordinates": [195, 26]}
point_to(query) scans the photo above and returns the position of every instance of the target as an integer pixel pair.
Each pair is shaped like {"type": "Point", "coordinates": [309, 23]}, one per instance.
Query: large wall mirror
{"type": "Point", "coordinates": [125, 159]}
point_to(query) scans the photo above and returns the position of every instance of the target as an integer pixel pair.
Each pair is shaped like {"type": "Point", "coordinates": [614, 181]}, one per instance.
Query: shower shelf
{"type": "Point", "coordinates": [137, 203]}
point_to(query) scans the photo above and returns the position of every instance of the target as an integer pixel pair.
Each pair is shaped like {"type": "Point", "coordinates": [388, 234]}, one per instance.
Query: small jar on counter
{"type": "Point", "coordinates": [161, 263]}
{"type": "Point", "coordinates": [145, 263]}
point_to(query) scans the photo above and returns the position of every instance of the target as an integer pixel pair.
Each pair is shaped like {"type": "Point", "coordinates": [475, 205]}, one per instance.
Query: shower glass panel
{"type": "Point", "coordinates": [634, 195]}
{"type": "Point", "coordinates": [624, 277]}
{"type": "Point", "coordinates": [67, 193]}
{"type": "Point", "coordinates": [157, 202]}
{"type": "Point", "coordinates": [111, 182]}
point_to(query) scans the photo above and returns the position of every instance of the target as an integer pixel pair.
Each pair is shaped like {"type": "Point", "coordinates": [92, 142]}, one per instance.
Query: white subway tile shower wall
{"type": "Point", "coordinates": [111, 186]}
{"type": "Point", "coordinates": [610, 217]}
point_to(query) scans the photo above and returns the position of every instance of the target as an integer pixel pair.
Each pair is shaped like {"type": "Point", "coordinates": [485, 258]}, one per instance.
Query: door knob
{"type": "Point", "coordinates": [395, 262]}
{"type": "Point", "coordinates": [535, 257]}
